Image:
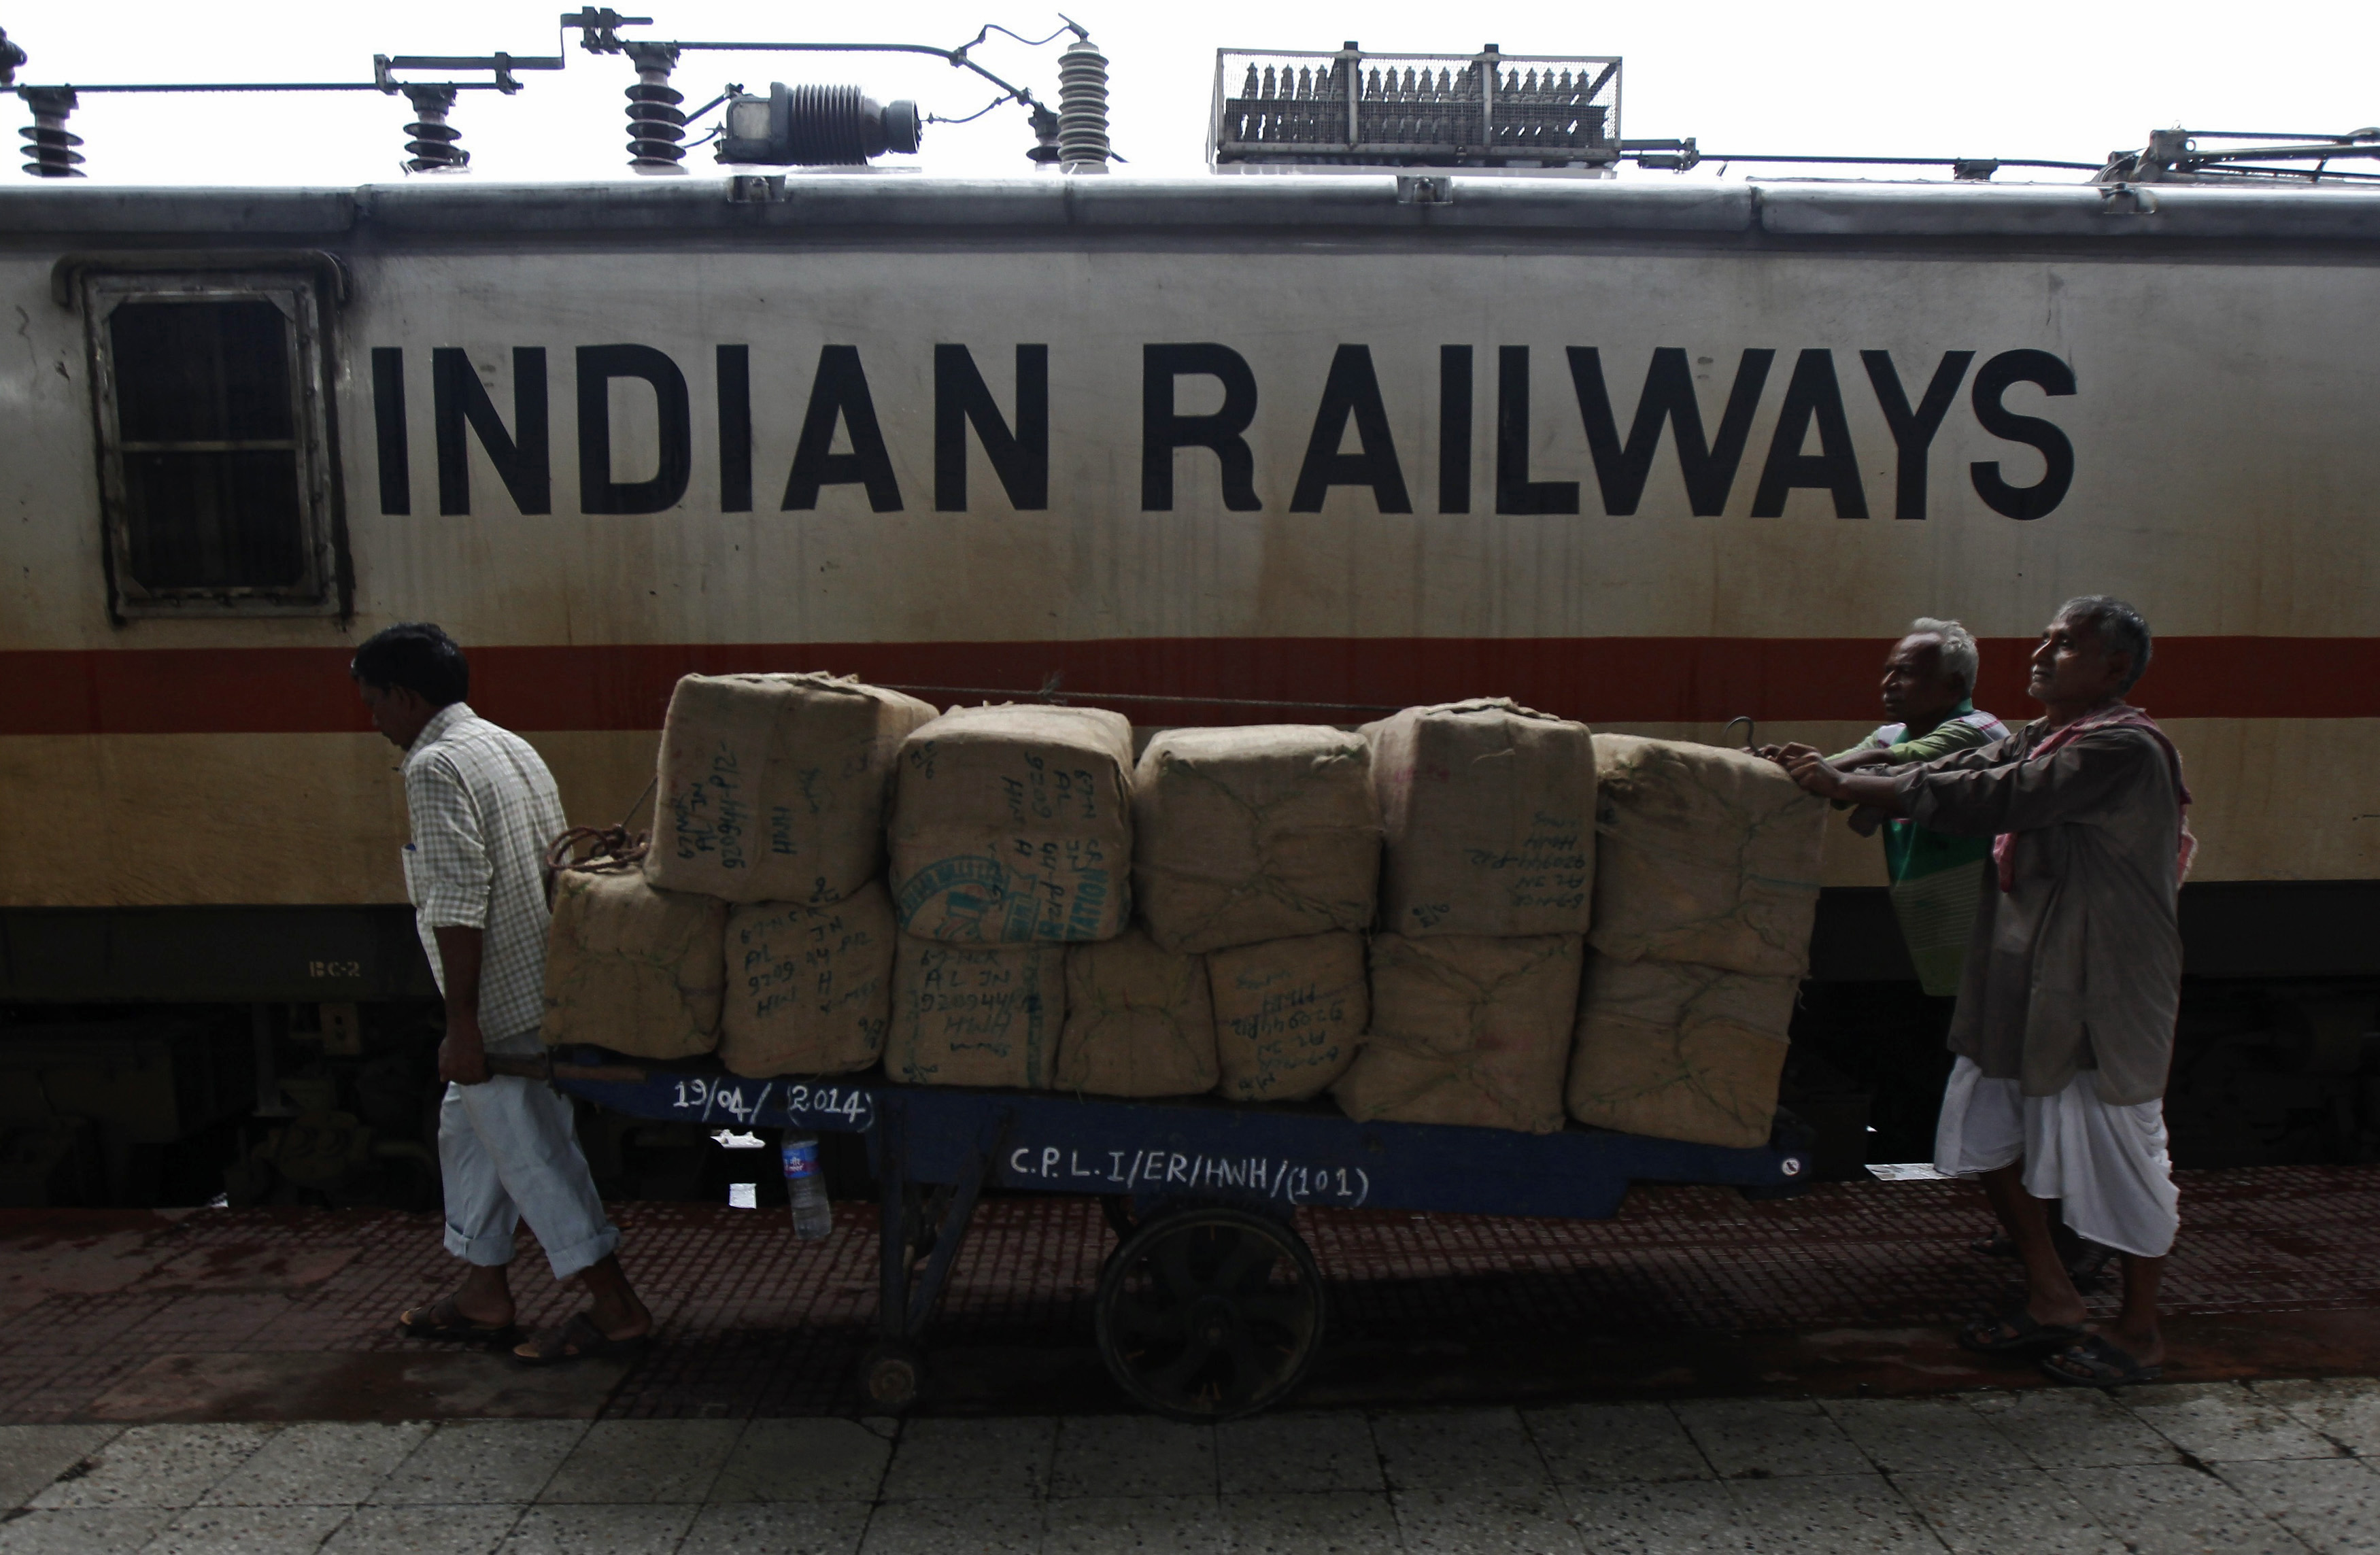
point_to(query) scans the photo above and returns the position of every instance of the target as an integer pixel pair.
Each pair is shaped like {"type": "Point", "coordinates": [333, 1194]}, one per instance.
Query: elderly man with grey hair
{"type": "Point", "coordinates": [2065, 1023]}
{"type": "Point", "coordinates": [1928, 692]}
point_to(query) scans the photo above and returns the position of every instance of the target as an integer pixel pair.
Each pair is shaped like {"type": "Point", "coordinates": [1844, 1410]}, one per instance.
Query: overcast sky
{"type": "Point", "coordinates": [2060, 78]}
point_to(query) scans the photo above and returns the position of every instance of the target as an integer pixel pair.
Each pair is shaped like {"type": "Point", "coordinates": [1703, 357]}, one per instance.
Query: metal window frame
{"type": "Point", "coordinates": [295, 291]}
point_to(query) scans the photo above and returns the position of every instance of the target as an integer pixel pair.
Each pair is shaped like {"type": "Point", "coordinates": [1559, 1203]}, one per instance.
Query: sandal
{"type": "Point", "coordinates": [442, 1322]}
{"type": "Point", "coordinates": [579, 1340]}
{"type": "Point", "coordinates": [2017, 1334]}
{"type": "Point", "coordinates": [2094, 1363]}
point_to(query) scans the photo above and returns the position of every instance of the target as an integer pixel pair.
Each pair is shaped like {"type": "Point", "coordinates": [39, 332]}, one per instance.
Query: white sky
{"type": "Point", "coordinates": [2060, 78]}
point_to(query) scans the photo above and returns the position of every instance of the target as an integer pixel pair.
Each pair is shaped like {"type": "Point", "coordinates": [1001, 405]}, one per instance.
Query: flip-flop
{"type": "Point", "coordinates": [2094, 1363]}
{"type": "Point", "coordinates": [577, 1339]}
{"type": "Point", "coordinates": [1983, 1336]}
{"type": "Point", "coordinates": [442, 1322]}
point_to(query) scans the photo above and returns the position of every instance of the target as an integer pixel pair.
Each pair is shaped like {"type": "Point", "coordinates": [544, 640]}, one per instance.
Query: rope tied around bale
{"type": "Point", "coordinates": [1264, 842]}
{"type": "Point", "coordinates": [608, 847]}
{"type": "Point", "coordinates": [1108, 1025]}
{"type": "Point", "coordinates": [1464, 1068]}
{"type": "Point", "coordinates": [1683, 839]}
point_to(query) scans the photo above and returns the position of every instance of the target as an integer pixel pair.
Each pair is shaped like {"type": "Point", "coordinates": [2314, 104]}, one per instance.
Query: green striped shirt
{"type": "Point", "coordinates": [1938, 880]}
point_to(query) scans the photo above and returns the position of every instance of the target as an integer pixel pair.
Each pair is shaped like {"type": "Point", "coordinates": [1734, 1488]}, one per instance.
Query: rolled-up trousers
{"type": "Point", "coordinates": [509, 1150]}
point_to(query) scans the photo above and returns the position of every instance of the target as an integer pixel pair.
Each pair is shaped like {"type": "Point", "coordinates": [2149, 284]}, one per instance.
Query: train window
{"type": "Point", "coordinates": [216, 468]}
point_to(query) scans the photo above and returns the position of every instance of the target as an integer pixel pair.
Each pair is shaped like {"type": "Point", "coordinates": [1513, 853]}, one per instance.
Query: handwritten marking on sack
{"type": "Point", "coordinates": [1045, 793]}
{"type": "Point", "coordinates": [712, 816]}
{"type": "Point", "coordinates": [1291, 1011]}
{"type": "Point", "coordinates": [1550, 868]}
{"type": "Point", "coordinates": [777, 976]}
{"type": "Point", "coordinates": [969, 1001]}
{"type": "Point", "coordinates": [1290, 1182]}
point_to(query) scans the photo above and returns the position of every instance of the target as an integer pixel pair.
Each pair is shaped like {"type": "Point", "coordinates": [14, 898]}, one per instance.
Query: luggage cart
{"type": "Point", "coordinates": [1210, 1306]}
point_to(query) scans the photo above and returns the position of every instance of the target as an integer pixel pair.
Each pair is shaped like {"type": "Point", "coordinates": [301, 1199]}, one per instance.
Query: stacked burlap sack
{"type": "Point", "coordinates": [1256, 863]}
{"type": "Point", "coordinates": [1489, 811]}
{"type": "Point", "coordinates": [1012, 845]}
{"type": "Point", "coordinates": [758, 923]}
{"type": "Point", "coordinates": [1057, 915]}
{"type": "Point", "coordinates": [1254, 857]}
{"type": "Point", "coordinates": [1705, 885]}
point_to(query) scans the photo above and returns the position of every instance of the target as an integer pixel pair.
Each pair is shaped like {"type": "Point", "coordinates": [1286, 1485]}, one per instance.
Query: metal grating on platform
{"type": "Point", "coordinates": [753, 1323]}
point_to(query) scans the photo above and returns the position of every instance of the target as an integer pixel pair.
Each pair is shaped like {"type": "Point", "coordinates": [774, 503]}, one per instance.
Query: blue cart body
{"type": "Point", "coordinates": [935, 1150]}
{"type": "Point", "coordinates": [1281, 1156]}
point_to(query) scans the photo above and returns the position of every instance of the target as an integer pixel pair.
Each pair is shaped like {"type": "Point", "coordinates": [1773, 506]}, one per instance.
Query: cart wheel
{"type": "Point", "coordinates": [1209, 1313]}
{"type": "Point", "coordinates": [1117, 1207]}
{"type": "Point", "coordinates": [892, 1374]}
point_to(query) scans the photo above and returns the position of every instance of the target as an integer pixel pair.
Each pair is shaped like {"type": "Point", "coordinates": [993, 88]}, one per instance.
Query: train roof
{"type": "Point", "coordinates": [797, 205]}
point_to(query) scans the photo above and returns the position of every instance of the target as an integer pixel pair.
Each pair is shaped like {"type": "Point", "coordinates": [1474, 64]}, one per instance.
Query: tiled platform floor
{"type": "Point", "coordinates": [287, 1314]}
{"type": "Point", "coordinates": [2273, 1468]}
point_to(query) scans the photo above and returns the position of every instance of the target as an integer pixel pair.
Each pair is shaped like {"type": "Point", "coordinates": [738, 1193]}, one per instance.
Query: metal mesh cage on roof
{"type": "Point", "coordinates": [1346, 106]}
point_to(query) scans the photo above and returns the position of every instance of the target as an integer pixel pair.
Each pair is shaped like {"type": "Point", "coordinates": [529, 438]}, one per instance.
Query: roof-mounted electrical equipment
{"type": "Point", "coordinates": [816, 126]}
{"type": "Point", "coordinates": [809, 126]}
{"type": "Point", "coordinates": [1278, 109]}
{"type": "Point", "coordinates": [2235, 156]}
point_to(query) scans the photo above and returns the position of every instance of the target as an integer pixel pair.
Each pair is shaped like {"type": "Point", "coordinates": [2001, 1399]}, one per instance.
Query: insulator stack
{"type": "Point", "coordinates": [1353, 109]}
{"type": "Point", "coordinates": [656, 123]}
{"type": "Point", "coordinates": [434, 143]}
{"type": "Point", "coordinates": [1083, 109]}
{"type": "Point", "coordinates": [1537, 113]}
{"type": "Point", "coordinates": [1044, 151]}
{"type": "Point", "coordinates": [49, 145]}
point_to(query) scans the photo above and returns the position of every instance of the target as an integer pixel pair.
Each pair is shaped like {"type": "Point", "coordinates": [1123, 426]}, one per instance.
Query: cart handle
{"type": "Point", "coordinates": [544, 1067]}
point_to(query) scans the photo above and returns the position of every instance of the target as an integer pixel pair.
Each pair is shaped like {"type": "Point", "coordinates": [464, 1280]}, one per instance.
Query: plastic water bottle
{"type": "Point", "coordinates": [805, 1189]}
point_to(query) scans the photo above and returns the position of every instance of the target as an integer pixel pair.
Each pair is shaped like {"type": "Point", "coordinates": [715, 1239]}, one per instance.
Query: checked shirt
{"type": "Point", "coordinates": [483, 808]}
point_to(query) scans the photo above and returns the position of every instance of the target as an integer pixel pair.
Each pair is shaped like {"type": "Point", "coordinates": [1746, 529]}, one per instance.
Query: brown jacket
{"type": "Point", "coordinates": [2079, 966]}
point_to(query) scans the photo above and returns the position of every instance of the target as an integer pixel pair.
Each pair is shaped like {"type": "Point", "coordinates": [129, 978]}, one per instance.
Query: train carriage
{"type": "Point", "coordinates": [1205, 451]}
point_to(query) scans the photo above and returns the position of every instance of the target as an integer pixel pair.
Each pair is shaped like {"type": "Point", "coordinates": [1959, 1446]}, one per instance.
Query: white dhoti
{"type": "Point", "coordinates": [2108, 1164]}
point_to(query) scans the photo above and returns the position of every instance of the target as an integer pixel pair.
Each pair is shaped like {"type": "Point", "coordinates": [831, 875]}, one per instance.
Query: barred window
{"type": "Point", "coordinates": [215, 443]}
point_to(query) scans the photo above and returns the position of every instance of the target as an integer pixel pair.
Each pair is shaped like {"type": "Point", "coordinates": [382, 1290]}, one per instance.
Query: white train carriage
{"type": "Point", "coordinates": [1227, 450]}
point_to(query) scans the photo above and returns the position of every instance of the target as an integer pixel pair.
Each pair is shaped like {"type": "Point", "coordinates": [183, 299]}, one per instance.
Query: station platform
{"type": "Point", "coordinates": [1850, 1291]}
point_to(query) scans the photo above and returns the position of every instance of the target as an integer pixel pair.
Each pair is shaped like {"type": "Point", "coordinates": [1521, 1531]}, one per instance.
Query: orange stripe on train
{"type": "Point", "coordinates": [1616, 680]}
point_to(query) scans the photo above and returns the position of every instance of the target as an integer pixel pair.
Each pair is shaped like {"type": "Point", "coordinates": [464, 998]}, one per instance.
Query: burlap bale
{"type": "Point", "coordinates": [1680, 1052]}
{"type": "Point", "coordinates": [1467, 1030]}
{"type": "Point", "coordinates": [975, 1014]}
{"type": "Point", "coordinates": [1488, 810]}
{"type": "Point", "coordinates": [633, 969]}
{"type": "Point", "coordinates": [1013, 824]}
{"type": "Point", "coordinates": [1139, 1021]}
{"type": "Point", "coordinates": [1707, 856]}
{"type": "Point", "coordinates": [1265, 832]}
{"type": "Point", "coordinates": [1289, 1015]}
{"type": "Point", "coordinates": [809, 989]}
{"type": "Point", "coordinates": [772, 786]}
